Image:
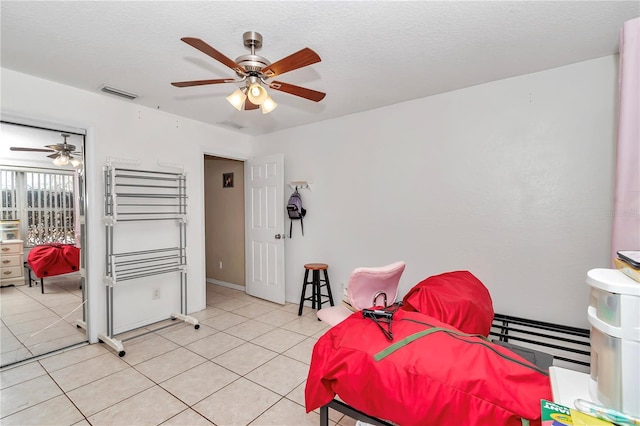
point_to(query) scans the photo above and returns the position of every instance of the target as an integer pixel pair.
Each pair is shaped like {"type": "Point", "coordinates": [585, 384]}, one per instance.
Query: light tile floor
{"type": "Point", "coordinates": [33, 323]}
{"type": "Point", "coordinates": [247, 364]}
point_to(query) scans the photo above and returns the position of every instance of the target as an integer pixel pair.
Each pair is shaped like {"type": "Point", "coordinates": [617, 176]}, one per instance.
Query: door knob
{"type": "Point", "coordinates": [279, 236]}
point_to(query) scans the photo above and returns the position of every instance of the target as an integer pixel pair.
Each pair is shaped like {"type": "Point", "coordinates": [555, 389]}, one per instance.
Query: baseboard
{"type": "Point", "coordinates": [226, 284]}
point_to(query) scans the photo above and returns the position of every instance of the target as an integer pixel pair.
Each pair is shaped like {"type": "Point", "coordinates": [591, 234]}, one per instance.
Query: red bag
{"type": "Point", "coordinates": [442, 378]}
{"type": "Point", "coordinates": [54, 259]}
{"type": "Point", "coordinates": [456, 298]}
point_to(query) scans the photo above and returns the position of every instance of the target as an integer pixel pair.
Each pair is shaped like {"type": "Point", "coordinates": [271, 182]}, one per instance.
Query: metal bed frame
{"type": "Point", "coordinates": [569, 346]}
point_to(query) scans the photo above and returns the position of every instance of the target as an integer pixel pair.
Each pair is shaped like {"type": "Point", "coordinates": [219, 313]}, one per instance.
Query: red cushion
{"type": "Point", "coordinates": [455, 298]}
{"type": "Point", "coordinates": [54, 259]}
{"type": "Point", "coordinates": [442, 378]}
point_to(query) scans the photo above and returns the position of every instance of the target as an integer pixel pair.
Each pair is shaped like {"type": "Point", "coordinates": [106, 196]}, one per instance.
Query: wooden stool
{"type": "Point", "coordinates": [317, 284]}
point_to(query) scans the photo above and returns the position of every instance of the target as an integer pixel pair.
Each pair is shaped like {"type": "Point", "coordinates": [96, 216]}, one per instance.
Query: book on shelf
{"type": "Point", "coordinates": [627, 269]}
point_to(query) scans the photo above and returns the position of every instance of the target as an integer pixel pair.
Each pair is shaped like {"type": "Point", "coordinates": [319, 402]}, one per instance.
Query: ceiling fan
{"type": "Point", "coordinates": [62, 152]}
{"type": "Point", "coordinates": [254, 71]}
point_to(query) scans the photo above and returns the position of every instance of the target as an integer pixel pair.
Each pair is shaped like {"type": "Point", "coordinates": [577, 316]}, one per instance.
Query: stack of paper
{"type": "Point", "coordinates": [628, 262]}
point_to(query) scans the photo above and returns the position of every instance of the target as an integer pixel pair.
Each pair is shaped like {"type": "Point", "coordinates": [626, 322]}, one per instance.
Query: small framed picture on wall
{"type": "Point", "coordinates": [227, 180]}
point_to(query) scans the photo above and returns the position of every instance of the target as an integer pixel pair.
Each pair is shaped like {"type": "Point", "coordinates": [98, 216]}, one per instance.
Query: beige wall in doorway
{"type": "Point", "coordinates": [224, 220]}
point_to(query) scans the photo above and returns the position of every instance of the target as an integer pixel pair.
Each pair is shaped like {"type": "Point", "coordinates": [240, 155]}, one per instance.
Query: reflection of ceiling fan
{"type": "Point", "coordinates": [254, 71]}
{"type": "Point", "coordinates": [62, 152]}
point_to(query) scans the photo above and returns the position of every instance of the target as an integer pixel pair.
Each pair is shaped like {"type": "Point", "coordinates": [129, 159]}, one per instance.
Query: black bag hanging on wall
{"type": "Point", "coordinates": [295, 210]}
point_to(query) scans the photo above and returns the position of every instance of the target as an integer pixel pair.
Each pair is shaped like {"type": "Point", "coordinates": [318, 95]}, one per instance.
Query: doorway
{"type": "Point", "coordinates": [224, 222]}
{"type": "Point", "coordinates": [244, 222]}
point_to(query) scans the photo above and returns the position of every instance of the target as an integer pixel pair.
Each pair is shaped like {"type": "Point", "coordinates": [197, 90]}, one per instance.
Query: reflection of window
{"type": "Point", "coordinates": [43, 202]}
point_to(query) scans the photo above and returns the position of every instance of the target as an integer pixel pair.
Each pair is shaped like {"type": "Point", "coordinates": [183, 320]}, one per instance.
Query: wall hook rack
{"type": "Point", "coordinates": [300, 184]}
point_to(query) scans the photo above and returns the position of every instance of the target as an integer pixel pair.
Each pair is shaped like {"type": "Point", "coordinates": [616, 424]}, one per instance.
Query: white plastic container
{"type": "Point", "coordinates": [615, 303]}
{"type": "Point", "coordinates": [614, 315]}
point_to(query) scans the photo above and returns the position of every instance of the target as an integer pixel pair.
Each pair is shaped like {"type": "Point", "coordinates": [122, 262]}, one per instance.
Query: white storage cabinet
{"type": "Point", "coordinates": [614, 315]}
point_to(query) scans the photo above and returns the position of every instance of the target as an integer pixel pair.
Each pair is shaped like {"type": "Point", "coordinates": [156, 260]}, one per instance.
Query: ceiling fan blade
{"type": "Point", "coordinates": [53, 155]}
{"type": "Point", "coordinates": [300, 59]}
{"type": "Point", "coordinates": [15, 148]}
{"type": "Point", "coordinates": [248, 105]}
{"type": "Point", "coordinates": [303, 92]}
{"type": "Point", "coordinates": [208, 50]}
{"type": "Point", "coordinates": [61, 147]}
{"type": "Point", "coordinates": [202, 82]}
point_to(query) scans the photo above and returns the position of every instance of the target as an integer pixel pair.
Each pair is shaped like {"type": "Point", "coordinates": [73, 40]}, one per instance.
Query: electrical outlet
{"type": "Point", "coordinates": [156, 293]}
{"type": "Point", "coordinates": [220, 265]}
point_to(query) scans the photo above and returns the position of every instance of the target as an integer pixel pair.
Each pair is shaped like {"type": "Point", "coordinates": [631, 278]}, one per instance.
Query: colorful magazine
{"type": "Point", "coordinates": [555, 414]}
{"type": "Point", "coordinates": [558, 415]}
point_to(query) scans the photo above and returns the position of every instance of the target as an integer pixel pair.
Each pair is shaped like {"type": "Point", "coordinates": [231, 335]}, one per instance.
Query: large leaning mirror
{"type": "Point", "coordinates": [42, 235]}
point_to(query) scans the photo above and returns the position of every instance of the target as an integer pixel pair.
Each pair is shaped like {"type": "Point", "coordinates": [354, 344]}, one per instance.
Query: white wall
{"type": "Point", "coordinates": [117, 128]}
{"type": "Point", "coordinates": [511, 180]}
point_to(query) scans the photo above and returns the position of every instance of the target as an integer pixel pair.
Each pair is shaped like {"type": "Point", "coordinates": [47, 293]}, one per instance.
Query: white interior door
{"type": "Point", "coordinates": [264, 204]}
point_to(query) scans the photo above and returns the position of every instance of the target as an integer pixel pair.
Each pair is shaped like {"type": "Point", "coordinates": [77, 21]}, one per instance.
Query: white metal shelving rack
{"type": "Point", "coordinates": [143, 196]}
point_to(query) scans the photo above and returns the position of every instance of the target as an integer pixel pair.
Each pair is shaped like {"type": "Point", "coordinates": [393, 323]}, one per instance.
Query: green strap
{"type": "Point", "coordinates": [391, 349]}
{"type": "Point", "coordinates": [453, 333]}
{"type": "Point", "coordinates": [404, 342]}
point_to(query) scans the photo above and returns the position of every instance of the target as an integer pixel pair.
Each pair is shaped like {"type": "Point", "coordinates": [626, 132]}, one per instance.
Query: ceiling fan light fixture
{"type": "Point", "coordinates": [75, 162]}
{"type": "Point", "coordinates": [268, 105]}
{"type": "Point", "coordinates": [257, 94]}
{"type": "Point", "coordinates": [61, 160]}
{"type": "Point", "coordinates": [237, 99]}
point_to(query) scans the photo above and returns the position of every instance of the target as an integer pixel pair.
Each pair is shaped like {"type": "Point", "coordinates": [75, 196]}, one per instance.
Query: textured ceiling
{"type": "Point", "coordinates": [373, 53]}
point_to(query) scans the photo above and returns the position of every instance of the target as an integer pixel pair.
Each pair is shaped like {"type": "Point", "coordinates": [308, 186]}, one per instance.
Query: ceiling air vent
{"type": "Point", "coordinates": [118, 92]}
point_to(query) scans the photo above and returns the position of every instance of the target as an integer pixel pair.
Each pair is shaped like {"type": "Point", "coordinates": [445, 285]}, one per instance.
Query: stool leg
{"type": "Point", "coordinates": [326, 280]}
{"type": "Point", "coordinates": [304, 290]}
{"type": "Point", "coordinates": [316, 290]}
